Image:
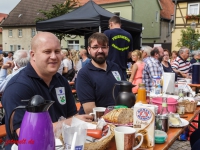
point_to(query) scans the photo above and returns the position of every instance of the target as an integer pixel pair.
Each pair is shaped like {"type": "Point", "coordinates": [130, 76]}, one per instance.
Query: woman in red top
{"type": "Point", "coordinates": [137, 69]}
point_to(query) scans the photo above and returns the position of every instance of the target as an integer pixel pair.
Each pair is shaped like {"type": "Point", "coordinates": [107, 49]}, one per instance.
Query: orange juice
{"type": "Point", "coordinates": [141, 96]}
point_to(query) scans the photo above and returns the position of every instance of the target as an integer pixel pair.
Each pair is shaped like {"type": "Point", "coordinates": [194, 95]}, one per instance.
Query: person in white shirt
{"type": "Point", "coordinates": [21, 59]}
{"type": "Point", "coordinates": [8, 58]}
{"type": "Point", "coordinates": [67, 63]}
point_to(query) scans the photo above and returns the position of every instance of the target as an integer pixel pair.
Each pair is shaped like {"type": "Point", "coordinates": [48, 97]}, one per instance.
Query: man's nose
{"type": "Point", "coordinates": [100, 49]}
{"type": "Point", "coordinates": [53, 55]}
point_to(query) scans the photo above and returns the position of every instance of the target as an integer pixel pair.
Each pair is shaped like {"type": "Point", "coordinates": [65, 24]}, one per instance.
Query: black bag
{"type": "Point", "coordinates": [70, 74]}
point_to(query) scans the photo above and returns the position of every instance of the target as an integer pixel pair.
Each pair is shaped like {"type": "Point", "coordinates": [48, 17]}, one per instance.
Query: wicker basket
{"type": "Point", "coordinates": [100, 145]}
{"type": "Point", "coordinates": [190, 106]}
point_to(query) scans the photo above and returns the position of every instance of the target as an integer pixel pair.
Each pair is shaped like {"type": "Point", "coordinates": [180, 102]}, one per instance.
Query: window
{"type": "Point", "coordinates": [157, 16]}
{"type": "Point", "coordinates": [33, 32]}
{"type": "Point", "coordinates": [11, 48]}
{"type": "Point", "coordinates": [73, 44]}
{"type": "Point", "coordinates": [116, 13]}
{"type": "Point", "coordinates": [193, 9]}
{"type": "Point", "coordinates": [19, 32]}
{"type": "Point", "coordinates": [18, 47]}
{"type": "Point", "coordinates": [10, 33]}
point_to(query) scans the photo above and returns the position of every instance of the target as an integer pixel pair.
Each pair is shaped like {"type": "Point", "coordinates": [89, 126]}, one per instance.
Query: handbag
{"type": "Point", "coordinates": [70, 74]}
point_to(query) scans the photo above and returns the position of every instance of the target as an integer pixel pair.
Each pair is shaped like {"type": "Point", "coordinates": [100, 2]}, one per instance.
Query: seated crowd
{"type": "Point", "coordinates": [47, 69]}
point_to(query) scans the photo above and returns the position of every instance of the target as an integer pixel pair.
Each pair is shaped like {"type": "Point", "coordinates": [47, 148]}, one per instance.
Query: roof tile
{"type": "Point", "coordinates": [2, 16]}
{"type": "Point", "coordinates": [26, 12]}
{"type": "Point", "coordinates": [168, 9]}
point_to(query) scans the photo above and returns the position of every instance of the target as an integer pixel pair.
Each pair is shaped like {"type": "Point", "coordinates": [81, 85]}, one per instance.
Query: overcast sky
{"type": "Point", "coordinates": [7, 5]}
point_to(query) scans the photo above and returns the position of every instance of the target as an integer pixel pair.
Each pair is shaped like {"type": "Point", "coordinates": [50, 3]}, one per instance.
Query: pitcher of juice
{"type": "Point", "coordinates": [141, 96]}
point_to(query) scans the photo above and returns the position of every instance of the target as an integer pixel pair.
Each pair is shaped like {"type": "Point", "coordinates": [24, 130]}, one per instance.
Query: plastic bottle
{"type": "Point", "coordinates": [158, 89]}
{"type": "Point", "coordinates": [164, 110]}
{"type": "Point", "coordinates": [141, 96]}
{"type": "Point", "coordinates": [176, 88]}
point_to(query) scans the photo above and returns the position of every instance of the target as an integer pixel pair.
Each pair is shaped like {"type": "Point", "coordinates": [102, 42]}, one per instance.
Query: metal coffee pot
{"type": "Point", "coordinates": [125, 95]}
{"type": "Point", "coordinates": [36, 127]}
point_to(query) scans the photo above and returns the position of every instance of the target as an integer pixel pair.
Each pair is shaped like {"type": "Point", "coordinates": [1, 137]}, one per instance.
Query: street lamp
{"type": "Point", "coordinates": [193, 25]}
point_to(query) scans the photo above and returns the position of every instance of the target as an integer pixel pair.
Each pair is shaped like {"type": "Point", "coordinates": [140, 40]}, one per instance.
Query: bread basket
{"type": "Point", "coordinates": [190, 106]}
{"type": "Point", "coordinates": [101, 144]}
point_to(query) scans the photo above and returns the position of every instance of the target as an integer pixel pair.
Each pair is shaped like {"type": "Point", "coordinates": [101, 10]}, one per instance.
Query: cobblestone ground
{"type": "Point", "coordinates": [180, 145]}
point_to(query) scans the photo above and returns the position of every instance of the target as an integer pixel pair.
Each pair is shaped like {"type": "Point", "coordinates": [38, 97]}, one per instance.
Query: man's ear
{"type": "Point", "coordinates": [88, 49]}
{"type": "Point", "coordinates": [32, 54]}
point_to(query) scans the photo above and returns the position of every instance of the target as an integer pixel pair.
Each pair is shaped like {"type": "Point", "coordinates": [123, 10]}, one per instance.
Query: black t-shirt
{"type": "Point", "coordinates": [169, 69]}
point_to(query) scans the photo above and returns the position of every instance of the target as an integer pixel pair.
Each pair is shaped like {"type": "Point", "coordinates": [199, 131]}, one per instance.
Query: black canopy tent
{"type": "Point", "coordinates": [86, 20]}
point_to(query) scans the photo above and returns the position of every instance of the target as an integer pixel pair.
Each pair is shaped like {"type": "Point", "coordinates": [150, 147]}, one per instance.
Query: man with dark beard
{"type": "Point", "coordinates": [153, 67]}
{"type": "Point", "coordinates": [95, 81]}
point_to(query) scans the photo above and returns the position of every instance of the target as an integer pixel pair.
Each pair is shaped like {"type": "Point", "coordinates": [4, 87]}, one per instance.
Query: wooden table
{"type": "Point", "coordinates": [194, 85]}
{"type": "Point", "coordinates": [172, 133]}
{"type": "Point", "coordinates": [197, 86]}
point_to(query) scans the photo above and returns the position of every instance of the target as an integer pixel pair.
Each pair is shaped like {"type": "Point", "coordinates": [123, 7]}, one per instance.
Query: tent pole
{"type": "Point", "coordinates": [99, 29]}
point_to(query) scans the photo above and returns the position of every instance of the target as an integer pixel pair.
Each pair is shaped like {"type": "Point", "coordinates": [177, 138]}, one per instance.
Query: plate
{"type": "Point", "coordinates": [128, 125]}
{"type": "Point", "coordinates": [184, 123]}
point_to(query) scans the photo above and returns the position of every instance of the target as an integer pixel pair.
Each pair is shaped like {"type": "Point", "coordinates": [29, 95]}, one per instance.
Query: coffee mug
{"type": "Point", "coordinates": [125, 138]}
{"type": "Point", "coordinates": [98, 112]}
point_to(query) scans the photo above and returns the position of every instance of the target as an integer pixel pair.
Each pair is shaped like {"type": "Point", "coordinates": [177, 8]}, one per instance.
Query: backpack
{"type": "Point", "coordinates": [70, 74]}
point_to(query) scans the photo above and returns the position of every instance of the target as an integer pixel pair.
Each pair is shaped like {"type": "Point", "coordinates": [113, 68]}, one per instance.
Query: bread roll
{"type": "Point", "coordinates": [120, 116]}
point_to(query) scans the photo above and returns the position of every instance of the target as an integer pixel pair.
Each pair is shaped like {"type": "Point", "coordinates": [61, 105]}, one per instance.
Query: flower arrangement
{"type": "Point", "coordinates": [192, 17]}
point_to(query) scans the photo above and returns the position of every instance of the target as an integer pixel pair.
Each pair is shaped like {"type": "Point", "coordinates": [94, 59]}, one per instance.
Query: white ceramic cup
{"type": "Point", "coordinates": [98, 112]}
{"type": "Point", "coordinates": [125, 138]}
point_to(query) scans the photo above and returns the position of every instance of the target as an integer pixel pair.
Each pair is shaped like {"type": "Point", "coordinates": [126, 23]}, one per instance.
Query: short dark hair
{"type": "Point", "coordinates": [100, 37]}
{"type": "Point", "coordinates": [154, 51]}
{"type": "Point", "coordinates": [10, 52]}
{"type": "Point", "coordinates": [166, 50]}
{"type": "Point", "coordinates": [115, 19]}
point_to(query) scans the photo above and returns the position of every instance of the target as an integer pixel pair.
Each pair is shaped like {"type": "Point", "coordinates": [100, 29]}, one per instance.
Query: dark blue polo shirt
{"type": "Point", "coordinates": [26, 84]}
{"type": "Point", "coordinates": [96, 85]}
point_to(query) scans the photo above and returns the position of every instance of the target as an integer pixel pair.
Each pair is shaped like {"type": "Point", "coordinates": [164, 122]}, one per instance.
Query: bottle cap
{"type": "Point", "coordinates": [120, 106]}
{"type": "Point", "coordinates": [141, 84]}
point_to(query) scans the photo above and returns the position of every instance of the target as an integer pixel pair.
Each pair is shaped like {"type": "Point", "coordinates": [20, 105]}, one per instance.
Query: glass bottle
{"type": "Point", "coordinates": [141, 95]}
{"type": "Point", "coordinates": [176, 88]}
{"type": "Point", "coordinates": [164, 110]}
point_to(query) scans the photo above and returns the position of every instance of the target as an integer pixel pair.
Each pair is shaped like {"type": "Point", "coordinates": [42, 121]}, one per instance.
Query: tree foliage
{"type": "Point", "coordinates": [189, 38]}
{"type": "Point", "coordinates": [58, 10]}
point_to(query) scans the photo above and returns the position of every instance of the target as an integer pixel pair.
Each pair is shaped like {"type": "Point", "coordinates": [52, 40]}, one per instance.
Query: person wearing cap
{"type": "Point", "coordinates": [196, 57]}
{"type": "Point", "coordinates": [146, 50]}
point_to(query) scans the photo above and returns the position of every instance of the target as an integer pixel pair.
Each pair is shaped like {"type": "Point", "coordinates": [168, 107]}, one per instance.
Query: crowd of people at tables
{"type": "Point", "coordinates": [149, 62]}
{"type": "Point", "coordinates": [39, 72]}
